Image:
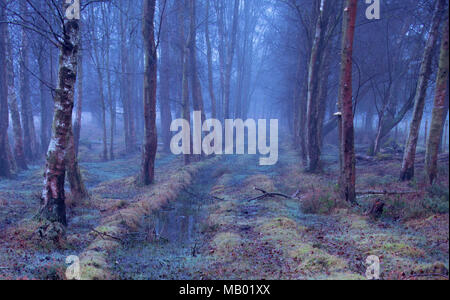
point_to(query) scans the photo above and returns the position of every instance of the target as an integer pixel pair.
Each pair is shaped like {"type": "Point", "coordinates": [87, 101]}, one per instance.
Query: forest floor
{"type": "Point", "coordinates": [212, 230]}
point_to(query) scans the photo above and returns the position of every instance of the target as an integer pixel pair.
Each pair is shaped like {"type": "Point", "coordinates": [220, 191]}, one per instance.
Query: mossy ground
{"type": "Point", "coordinates": [23, 254]}
{"type": "Point", "coordinates": [198, 223]}
{"type": "Point", "coordinates": [276, 238]}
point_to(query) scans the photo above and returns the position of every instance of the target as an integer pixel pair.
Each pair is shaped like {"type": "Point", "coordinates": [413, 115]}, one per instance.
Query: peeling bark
{"type": "Point", "coordinates": [53, 207]}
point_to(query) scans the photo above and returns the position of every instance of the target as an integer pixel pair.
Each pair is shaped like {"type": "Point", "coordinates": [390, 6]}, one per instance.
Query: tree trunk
{"type": "Point", "coordinates": [79, 110]}
{"type": "Point", "coordinates": [166, 114]}
{"type": "Point", "coordinates": [407, 171]}
{"type": "Point", "coordinates": [210, 63]}
{"type": "Point", "coordinates": [440, 109]}
{"type": "Point", "coordinates": [124, 95]}
{"type": "Point", "coordinates": [222, 53]}
{"type": "Point", "coordinates": [29, 131]}
{"type": "Point", "coordinates": [313, 101]}
{"type": "Point", "coordinates": [229, 62]}
{"type": "Point", "coordinates": [348, 178]}
{"type": "Point", "coordinates": [150, 82]}
{"type": "Point", "coordinates": [19, 154]}
{"type": "Point", "coordinates": [196, 91]}
{"type": "Point", "coordinates": [103, 108]}
{"type": "Point", "coordinates": [77, 187]}
{"type": "Point", "coordinates": [53, 206]}
{"type": "Point", "coordinates": [5, 163]}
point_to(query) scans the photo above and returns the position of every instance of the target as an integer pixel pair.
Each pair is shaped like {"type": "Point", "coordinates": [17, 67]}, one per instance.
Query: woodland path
{"type": "Point", "coordinates": [213, 231]}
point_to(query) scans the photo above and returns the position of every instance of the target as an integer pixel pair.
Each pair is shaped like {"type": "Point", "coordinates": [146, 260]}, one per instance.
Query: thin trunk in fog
{"type": "Point", "coordinates": [150, 81]}
{"type": "Point", "coordinates": [53, 206]}
{"type": "Point", "coordinates": [323, 95]}
{"type": "Point", "coordinates": [381, 119]}
{"type": "Point", "coordinates": [99, 51]}
{"type": "Point", "coordinates": [111, 100]}
{"type": "Point", "coordinates": [124, 93]}
{"type": "Point", "coordinates": [314, 80]}
{"type": "Point", "coordinates": [197, 97]}
{"type": "Point", "coordinates": [166, 114]}
{"type": "Point", "coordinates": [103, 115]}
{"type": "Point", "coordinates": [19, 154]}
{"type": "Point", "coordinates": [219, 5]}
{"type": "Point", "coordinates": [440, 109]}
{"type": "Point", "coordinates": [186, 112]}
{"type": "Point", "coordinates": [296, 101]}
{"type": "Point", "coordinates": [29, 132]}
{"type": "Point", "coordinates": [407, 171]}
{"type": "Point", "coordinates": [5, 162]}
{"type": "Point", "coordinates": [302, 121]}
{"type": "Point", "coordinates": [131, 102]}
{"type": "Point", "coordinates": [210, 63]}
{"type": "Point", "coordinates": [348, 172]}
{"type": "Point", "coordinates": [77, 187]}
{"type": "Point", "coordinates": [43, 56]}
{"type": "Point", "coordinates": [229, 61]}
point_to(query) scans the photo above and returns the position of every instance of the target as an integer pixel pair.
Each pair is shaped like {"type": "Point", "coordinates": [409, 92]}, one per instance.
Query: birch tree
{"type": "Point", "coordinates": [53, 207]}
{"type": "Point", "coordinates": [440, 109]}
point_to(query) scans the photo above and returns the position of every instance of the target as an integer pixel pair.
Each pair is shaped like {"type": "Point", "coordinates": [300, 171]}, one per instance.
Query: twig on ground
{"type": "Point", "coordinates": [386, 192]}
{"type": "Point", "coordinates": [102, 235]}
{"type": "Point", "coordinates": [266, 194]}
{"type": "Point", "coordinates": [296, 194]}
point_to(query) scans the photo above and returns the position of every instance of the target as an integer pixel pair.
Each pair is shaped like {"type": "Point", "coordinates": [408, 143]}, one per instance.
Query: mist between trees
{"type": "Point", "coordinates": [122, 72]}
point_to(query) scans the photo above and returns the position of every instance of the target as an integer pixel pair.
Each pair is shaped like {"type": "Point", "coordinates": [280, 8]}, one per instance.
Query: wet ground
{"type": "Point", "coordinates": [214, 231]}
{"type": "Point", "coordinates": [19, 203]}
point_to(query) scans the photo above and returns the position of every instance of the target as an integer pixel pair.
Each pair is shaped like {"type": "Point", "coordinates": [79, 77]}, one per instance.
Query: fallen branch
{"type": "Point", "coordinates": [267, 194]}
{"type": "Point", "coordinates": [296, 194]}
{"type": "Point", "coordinates": [385, 192]}
{"type": "Point", "coordinates": [102, 235]}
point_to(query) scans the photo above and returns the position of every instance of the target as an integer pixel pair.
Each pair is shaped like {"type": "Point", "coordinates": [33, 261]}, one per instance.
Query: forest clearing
{"type": "Point", "coordinates": [224, 140]}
